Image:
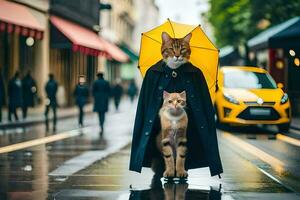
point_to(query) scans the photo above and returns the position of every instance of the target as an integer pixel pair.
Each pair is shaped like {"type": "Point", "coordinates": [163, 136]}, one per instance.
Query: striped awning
{"type": "Point", "coordinates": [17, 18]}
{"type": "Point", "coordinates": [83, 39]}
{"type": "Point", "coordinates": [88, 42]}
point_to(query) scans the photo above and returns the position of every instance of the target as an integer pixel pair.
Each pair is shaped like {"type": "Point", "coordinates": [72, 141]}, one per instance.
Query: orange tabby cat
{"type": "Point", "coordinates": [171, 141]}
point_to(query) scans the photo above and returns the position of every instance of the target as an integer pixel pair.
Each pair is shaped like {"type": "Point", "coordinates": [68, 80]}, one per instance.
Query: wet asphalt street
{"type": "Point", "coordinates": [76, 164]}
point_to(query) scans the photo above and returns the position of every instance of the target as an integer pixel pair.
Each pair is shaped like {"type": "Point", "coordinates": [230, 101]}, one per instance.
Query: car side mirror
{"type": "Point", "coordinates": [280, 85]}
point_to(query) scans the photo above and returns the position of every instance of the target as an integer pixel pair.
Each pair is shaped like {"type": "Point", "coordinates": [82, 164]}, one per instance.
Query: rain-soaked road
{"type": "Point", "coordinates": [75, 164]}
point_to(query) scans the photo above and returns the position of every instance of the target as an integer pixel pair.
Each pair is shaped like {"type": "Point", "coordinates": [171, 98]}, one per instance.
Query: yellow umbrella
{"type": "Point", "coordinates": [204, 54]}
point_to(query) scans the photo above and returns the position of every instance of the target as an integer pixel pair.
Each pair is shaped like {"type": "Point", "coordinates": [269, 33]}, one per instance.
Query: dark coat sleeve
{"type": "Point", "coordinates": [140, 119]}
{"type": "Point", "coordinates": [207, 102]}
{"type": "Point", "coordinates": [211, 124]}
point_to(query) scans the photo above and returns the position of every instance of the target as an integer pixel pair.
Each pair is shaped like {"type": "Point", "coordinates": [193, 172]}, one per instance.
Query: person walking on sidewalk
{"type": "Point", "coordinates": [81, 94]}
{"type": "Point", "coordinates": [15, 98]}
{"type": "Point", "coordinates": [2, 95]}
{"type": "Point", "coordinates": [132, 90]}
{"type": "Point", "coordinates": [101, 91]}
{"type": "Point", "coordinates": [51, 91]}
{"type": "Point", "coordinates": [29, 92]}
{"type": "Point", "coordinates": [117, 92]}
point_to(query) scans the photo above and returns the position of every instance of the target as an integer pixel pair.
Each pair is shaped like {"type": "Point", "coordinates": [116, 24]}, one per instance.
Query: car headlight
{"type": "Point", "coordinates": [231, 99]}
{"type": "Point", "coordinates": [284, 98]}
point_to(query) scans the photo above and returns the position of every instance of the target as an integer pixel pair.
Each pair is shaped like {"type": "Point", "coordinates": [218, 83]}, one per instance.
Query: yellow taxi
{"type": "Point", "coordinates": [249, 96]}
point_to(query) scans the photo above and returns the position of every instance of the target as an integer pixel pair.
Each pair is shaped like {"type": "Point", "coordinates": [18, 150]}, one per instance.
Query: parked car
{"type": "Point", "coordinates": [248, 96]}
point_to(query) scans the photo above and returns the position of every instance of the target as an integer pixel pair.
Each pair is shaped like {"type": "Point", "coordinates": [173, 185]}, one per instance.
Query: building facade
{"type": "Point", "coordinates": [277, 50]}
{"type": "Point", "coordinates": [24, 42]}
{"type": "Point", "coordinates": [117, 26]}
{"type": "Point", "coordinates": [68, 59]}
{"type": "Point", "coordinates": [55, 36]}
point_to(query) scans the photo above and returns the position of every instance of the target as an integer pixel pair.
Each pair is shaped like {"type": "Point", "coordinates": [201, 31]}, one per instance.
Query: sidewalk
{"type": "Point", "coordinates": [118, 134]}
{"type": "Point", "coordinates": [36, 116]}
{"type": "Point", "coordinates": [110, 179]}
{"type": "Point", "coordinates": [50, 159]}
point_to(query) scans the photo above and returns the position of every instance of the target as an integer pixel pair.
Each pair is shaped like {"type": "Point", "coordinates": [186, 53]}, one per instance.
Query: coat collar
{"type": "Point", "coordinates": [187, 67]}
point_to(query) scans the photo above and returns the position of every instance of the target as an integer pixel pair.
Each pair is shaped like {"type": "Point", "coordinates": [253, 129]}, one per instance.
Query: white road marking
{"type": "Point", "coordinates": [44, 140]}
{"type": "Point", "coordinates": [288, 139]}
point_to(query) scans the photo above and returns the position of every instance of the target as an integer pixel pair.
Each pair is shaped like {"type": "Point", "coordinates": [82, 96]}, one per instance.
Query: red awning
{"type": "Point", "coordinates": [83, 39]}
{"type": "Point", "coordinates": [17, 18]}
{"type": "Point", "coordinates": [87, 41]}
{"type": "Point", "coordinates": [115, 52]}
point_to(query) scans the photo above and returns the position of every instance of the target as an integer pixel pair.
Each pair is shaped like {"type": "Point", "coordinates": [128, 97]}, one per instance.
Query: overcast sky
{"type": "Point", "coordinates": [185, 11]}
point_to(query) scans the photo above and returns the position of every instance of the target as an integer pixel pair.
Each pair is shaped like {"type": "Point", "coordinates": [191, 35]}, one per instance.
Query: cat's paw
{"type": "Point", "coordinates": [169, 173]}
{"type": "Point", "coordinates": [181, 173]}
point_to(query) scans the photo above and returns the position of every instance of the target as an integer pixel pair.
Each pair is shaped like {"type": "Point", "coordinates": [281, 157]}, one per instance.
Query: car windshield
{"type": "Point", "coordinates": [248, 80]}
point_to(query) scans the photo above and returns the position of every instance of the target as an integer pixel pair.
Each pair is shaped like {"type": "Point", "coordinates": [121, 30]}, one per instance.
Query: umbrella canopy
{"type": "Point", "coordinates": [204, 54]}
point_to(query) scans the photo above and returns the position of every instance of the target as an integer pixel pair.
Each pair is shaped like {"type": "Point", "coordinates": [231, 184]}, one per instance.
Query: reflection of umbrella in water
{"type": "Point", "coordinates": [204, 54]}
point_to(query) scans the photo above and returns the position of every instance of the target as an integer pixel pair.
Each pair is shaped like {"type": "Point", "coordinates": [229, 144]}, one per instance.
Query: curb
{"type": "Point", "coordinates": [24, 124]}
{"type": "Point", "coordinates": [295, 127]}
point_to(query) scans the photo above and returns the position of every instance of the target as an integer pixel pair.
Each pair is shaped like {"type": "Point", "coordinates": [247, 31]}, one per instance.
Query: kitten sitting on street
{"type": "Point", "coordinates": [171, 141]}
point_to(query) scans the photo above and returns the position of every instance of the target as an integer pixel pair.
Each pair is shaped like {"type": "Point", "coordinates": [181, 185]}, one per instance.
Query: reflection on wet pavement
{"type": "Point", "coordinates": [29, 173]}
{"type": "Point", "coordinates": [175, 192]}
{"type": "Point", "coordinates": [110, 179]}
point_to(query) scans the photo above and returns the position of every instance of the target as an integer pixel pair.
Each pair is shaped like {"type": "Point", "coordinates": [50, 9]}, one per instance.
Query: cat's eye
{"type": "Point", "coordinates": [179, 101]}
{"type": "Point", "coordinates": [170, 101]}
{"type": "Point", "coordinates": [183, 50]}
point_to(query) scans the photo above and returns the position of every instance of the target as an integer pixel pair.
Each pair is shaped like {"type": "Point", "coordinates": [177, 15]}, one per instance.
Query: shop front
{"type": "Point", "coordinates": [22, 41]}
{"type": "Point", "coordinates": [278, 48]}
{"type": "Point", "coordinates": [74, 51]}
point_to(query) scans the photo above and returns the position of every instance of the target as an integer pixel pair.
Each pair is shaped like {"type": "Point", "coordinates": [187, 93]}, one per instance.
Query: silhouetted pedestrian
{"type": "Point", "coordinates": [2, 95]}
{"type": "Point", "coordinates": [117, 92]}
{"type": "Point", "coordinates": [81, 94]}
{"type": "Point", "coordinates": [15, 98]}
{"type": "Point", "coordinates": [51, 91]}
{"type": "Point", "coordinates": [132, 90]}
{"type": "Point", "coordinates": [101, 91]}
{"type": "Point", "coordinates": [29, 92]}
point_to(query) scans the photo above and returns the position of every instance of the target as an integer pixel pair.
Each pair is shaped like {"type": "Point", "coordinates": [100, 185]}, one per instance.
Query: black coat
{"type": "Point", "coordinates": [51, 91]}
{"type": "Point", "coordinates": [29, 90]}
{"type": "Point", "coordinates": [81, 94]}
{"type": "Point", "coordinates": [2, 91]}
{"type": "Point", "coordinates": [15, 93]}
{"type": "Point", "coordinates": [132, 89]}
{"type": "Point", "coordinates": [117, 91]}
{"type": "Point", "coordinates": [202, 144]}
{"type": "Point", "coordinates": [101, 93]}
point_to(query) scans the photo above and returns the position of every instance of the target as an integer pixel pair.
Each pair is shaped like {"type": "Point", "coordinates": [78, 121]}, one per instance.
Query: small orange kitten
{"type": "Point", "coordinates": [171, 141]}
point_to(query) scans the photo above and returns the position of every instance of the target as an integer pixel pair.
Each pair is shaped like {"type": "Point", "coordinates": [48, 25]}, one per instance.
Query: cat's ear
{"type": "Point", "coordinates": [165, 37]}
{"type": "Point", "coordinates": [187, 38]}
{"type": "Point", "coordinates": [183, 95]}
{"type": "Point", "coordinates": [166, 94]}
